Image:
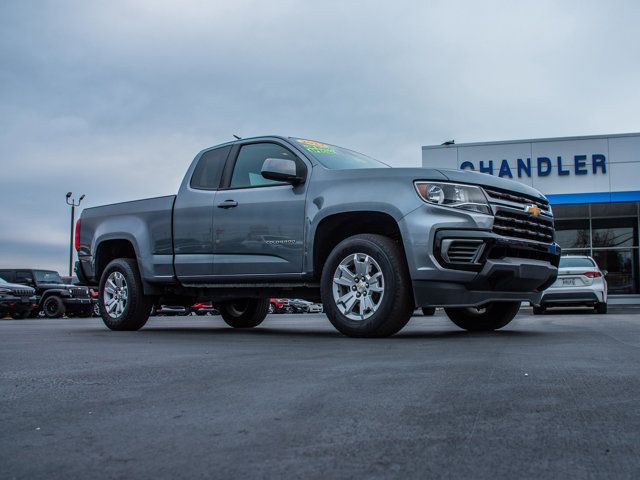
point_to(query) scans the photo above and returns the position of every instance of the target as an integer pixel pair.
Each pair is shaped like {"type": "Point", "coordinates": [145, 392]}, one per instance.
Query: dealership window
{"type": "Point", "coordinates": [608, 232]}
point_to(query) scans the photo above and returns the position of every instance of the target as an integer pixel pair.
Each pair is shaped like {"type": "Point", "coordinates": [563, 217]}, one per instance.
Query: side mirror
{"type": "Point", "coordinates": [283, 170]}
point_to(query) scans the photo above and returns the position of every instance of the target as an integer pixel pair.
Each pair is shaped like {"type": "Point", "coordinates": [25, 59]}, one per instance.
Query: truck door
{"type": "Point", "coordinates": [193, 216]}
{"type": "Point", "coordinates": [259, 223]}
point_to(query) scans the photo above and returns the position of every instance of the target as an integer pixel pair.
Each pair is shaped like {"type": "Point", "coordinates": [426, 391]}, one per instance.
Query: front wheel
{"type": "Point", "coordinates": [428, 311]}
{"type": "Point", "coordinates": [53, 307]}
{"type": "Point", "coordinates": [492, 316]}
{"type": "Point", "coordinates": [365, 287]}
{"type": "Point", "coordinates": [246, 313]}
{"type": "Point", "coordinates": [123, 304]}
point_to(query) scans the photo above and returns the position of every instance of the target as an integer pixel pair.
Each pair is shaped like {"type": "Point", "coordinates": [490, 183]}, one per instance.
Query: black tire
{"type": "Point", "coordinates": [492, 316]}
{"type": "Point", "coordinates": [137, 306]}
{"type": "Point", "coordinates": [396, 303]}
{"type": "Point", "coordinates": [428, 311]}
{"type": "Point", "coordinates": [539, 310]}
{"type": "Point", "coordinates": [20, 314]}
{"type": "Point", "coordinates": [53, 307]}
{"type": "Point", "coordinates": [246, 313]}
{"type": "Point", "coordinates": [601, 307]}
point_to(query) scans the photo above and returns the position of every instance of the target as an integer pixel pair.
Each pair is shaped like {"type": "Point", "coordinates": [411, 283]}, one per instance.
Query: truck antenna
{"type": "Point", "coordinates": [237, 137]}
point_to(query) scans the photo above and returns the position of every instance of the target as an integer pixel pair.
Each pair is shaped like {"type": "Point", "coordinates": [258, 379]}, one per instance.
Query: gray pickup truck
{"type": "Point", "coordinates": [287, 217]}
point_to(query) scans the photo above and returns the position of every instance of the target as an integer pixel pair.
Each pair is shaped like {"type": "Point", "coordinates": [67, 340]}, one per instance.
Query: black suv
{"type": "Point", "coordinates": [56, 297]}
{"type": "Point", "coordinates": [16, 300]}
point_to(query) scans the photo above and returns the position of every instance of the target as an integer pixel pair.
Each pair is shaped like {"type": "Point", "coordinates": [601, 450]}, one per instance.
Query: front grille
{"type": "Point", "coordinates": [515, 199]}
{"type": "Point", "coordinates": [79, 292]}
{"type": "Point", "coordinates": [22, 292]}
{"type": "Point", "coordinates": [462, 251]}
{"type": "Point", "coordinates": [510, 223]}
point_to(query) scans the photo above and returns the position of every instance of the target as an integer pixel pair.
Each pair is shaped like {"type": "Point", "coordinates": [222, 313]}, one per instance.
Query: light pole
{"type": "Point", "coordinates": [73, 204]}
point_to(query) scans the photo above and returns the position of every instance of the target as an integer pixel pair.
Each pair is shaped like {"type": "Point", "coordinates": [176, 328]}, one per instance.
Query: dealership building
{"type": "Point", "coordinates": [592, 183]}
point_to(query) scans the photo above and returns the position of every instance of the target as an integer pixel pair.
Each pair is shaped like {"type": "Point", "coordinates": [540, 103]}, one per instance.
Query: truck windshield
{"type": "Point", "coordinates": [44, 276]}
{"type": "Point", "coordinates": [2, 280]}
{"type": "Point", "coordinates": [337, 158]}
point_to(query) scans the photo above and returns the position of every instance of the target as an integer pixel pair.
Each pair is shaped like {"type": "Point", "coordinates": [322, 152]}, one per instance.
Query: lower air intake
{"type": "Point", "coordinates": [462, 251]}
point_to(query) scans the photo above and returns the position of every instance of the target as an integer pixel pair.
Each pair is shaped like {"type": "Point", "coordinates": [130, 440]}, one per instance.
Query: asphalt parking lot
{"type": "Point", "coordinates": [550, 396]}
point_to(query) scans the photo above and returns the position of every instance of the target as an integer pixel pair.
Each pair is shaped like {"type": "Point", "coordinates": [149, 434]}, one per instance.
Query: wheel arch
{"type": "Point", "coordinates": [110, 249]}
{"type": "Point", "coordinates": [334, 228]}
{"type": "Point", "coordinates": [53, 292]}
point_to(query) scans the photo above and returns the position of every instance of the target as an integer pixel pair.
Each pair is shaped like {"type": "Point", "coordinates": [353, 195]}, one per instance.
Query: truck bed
{"type": "Point", "coordinates": [147, 223]}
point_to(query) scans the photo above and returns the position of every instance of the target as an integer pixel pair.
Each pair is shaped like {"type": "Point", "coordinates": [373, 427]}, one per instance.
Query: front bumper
{"type": "Point", "coordinates": [508, 279]}
{"type": "Point", "coordinates": [11, 301]}
{"type": "Point", "coordinates": [504, 269]}
{"type": "Point", "coordinates": [76, 302]}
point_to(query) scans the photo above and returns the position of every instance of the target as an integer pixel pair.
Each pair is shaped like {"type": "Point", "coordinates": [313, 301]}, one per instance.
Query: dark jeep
{"type": "Point", "coordinates": [56, 297]}
{"type": "Point", "coordinates": [16, 300]}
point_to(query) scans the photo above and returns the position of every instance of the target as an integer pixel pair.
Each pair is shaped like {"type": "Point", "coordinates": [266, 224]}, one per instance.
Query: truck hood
{"type": "Point", "coordinates": [486, 180]}
{"type": "Point", "coordinates": [18, 287]}
{"type": "Point", "coordinates": [442, 174]}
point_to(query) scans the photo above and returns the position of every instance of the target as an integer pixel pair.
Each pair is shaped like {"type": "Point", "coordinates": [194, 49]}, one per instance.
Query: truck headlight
{"type": "Point", "coordinates": [455, 195]}
{"type": "Point", "coordinates": [4, 290]}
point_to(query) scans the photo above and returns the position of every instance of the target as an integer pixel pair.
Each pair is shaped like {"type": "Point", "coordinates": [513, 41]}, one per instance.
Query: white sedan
{"type": "Point", "coordinates": [580, 282]}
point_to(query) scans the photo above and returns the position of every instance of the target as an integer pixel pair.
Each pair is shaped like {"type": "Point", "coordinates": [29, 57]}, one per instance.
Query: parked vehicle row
{"type": "Point", "coordinates": [295, 305]}
{"type": "Point", "coordinates": [51, 295]}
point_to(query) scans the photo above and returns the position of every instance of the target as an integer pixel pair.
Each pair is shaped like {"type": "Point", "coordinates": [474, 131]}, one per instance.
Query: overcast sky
{"type": "Point", "coordinates": [114, 98]}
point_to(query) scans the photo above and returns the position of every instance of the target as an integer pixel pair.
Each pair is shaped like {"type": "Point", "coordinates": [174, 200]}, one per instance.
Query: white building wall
{"type": "Point", "coordinates": [572, 177]}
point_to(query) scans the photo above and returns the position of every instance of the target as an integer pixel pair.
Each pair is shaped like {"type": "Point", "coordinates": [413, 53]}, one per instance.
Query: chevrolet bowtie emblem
{"type": "Point", "coordinates": [533, 210]}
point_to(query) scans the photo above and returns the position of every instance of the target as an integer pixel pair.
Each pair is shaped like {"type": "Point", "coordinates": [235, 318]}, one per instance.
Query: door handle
{"type": "Point", "coordinates": [228, 204]}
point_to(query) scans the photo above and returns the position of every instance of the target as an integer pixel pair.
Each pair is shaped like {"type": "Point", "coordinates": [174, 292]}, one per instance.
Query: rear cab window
{"type": "Point", "coordinates": [208, 172]}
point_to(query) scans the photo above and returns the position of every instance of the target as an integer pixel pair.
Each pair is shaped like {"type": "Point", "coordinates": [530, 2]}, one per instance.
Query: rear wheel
{"type": "Point", "coordinates": [247, 313]}
{"type": "Point", "coordinates": [428, 311]}
{"type": "Point", "coordinates": [53, 307]}
{"type": "Point", "coordinates": [123, 304]}
{"type": "Point", "coordinates": [365, 287]}
{"type": "Point", "coordinates": [492, 316]}
{"type": "Point", "coordinates": [601, 307]}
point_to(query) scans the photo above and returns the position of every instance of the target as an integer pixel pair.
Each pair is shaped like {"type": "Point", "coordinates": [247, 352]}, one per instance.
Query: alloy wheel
{"type": "Point", "coordinates": [116, 295]}
{"type": "Point", "coordinates": [358, 286]}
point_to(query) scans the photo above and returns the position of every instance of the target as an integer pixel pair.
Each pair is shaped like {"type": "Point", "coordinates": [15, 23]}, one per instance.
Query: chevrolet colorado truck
{"type": "Point", "coordinates": [274, 216]}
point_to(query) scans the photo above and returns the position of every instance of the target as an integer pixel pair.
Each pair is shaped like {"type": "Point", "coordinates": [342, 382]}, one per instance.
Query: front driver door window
{"type": "Point", "coordinates": [259, 223]}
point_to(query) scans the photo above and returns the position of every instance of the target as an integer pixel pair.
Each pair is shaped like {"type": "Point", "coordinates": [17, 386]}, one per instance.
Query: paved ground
{"type": "Point", "coordinates": [552, 396]}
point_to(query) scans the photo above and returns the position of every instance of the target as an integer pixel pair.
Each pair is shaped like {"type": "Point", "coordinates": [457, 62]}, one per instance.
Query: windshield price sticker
{"type": "Point", "coordinates": [316, 147]}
